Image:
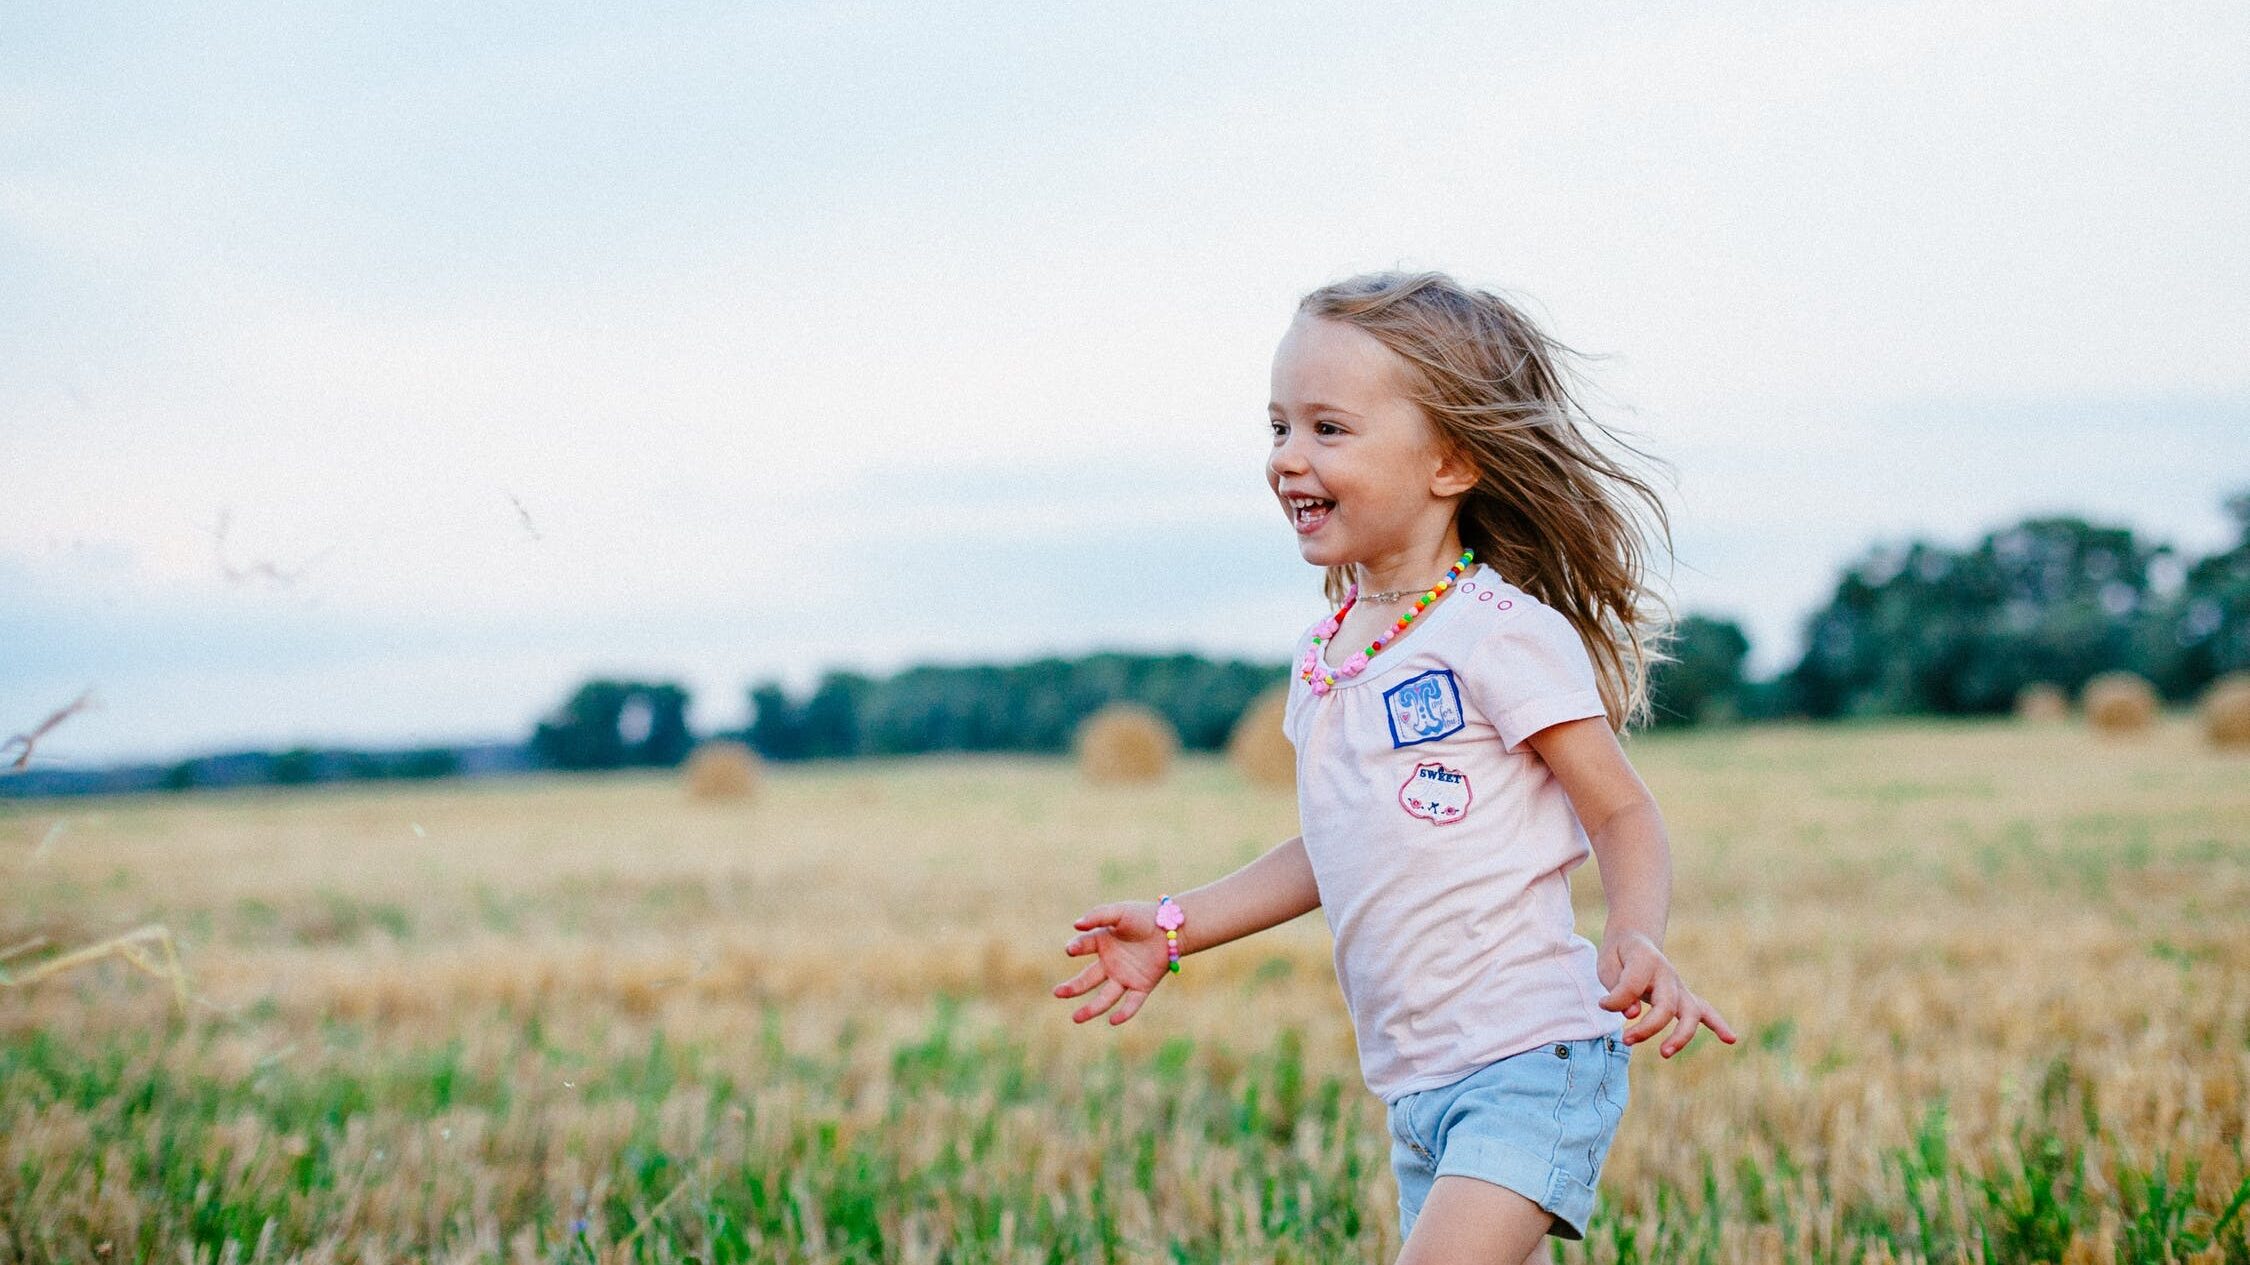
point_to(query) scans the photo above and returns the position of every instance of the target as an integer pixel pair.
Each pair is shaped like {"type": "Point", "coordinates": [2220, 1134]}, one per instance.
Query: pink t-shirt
{"type": "Point", "coordinates": [1443, 845]}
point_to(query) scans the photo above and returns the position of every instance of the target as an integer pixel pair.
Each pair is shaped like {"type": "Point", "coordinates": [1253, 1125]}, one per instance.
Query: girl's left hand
{"type": "Point", "coordinates": [1639, 976]}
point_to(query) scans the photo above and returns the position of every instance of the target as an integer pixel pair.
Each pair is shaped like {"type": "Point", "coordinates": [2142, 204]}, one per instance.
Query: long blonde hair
{"type": "Point", "coordinates": [1551, 512]}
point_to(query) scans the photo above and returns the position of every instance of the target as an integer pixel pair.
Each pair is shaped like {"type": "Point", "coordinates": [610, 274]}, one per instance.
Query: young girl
{"type": "Point", "coordinates": [1455, 724]}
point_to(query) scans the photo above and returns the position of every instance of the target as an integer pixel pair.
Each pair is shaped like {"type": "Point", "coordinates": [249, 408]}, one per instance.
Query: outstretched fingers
{"type": "Point", "coordinates": [1111, 990]}
{"type": "Point", "coordinates": [1695, 1012]}
{"type": "Point", "coordinates": [1100, 916]}
{"type": "Point", "coordinates": [1079, 983]}
{"type": "Point", "coordinates": [1632, 985]}
{"type": "Point", "coordinates": [1691, 1012]}
{"type": "Point", "coordinates": [1664, 1003]}
{"type": "Point", "coordinates": [1716, 1022]}
{"type": "Point", "coordinates": [1129, 1007]}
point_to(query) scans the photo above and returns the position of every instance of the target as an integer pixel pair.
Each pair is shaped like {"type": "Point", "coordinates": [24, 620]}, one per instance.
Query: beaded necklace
{"type": "Point", "coordinates": [1314, 673]}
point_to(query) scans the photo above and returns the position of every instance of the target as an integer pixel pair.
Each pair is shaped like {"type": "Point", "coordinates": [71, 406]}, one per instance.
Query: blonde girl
{"type": "Point", "coordinates": [1456, 726]}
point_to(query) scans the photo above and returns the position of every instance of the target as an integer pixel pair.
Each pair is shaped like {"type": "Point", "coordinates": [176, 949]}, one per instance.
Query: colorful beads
{"type": "Point", "coordinates": [1171, 918]}
{"type": "Point", "coordinates": [1315, 674]}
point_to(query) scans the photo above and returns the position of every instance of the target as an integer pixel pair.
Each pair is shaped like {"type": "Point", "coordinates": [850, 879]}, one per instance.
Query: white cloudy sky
{"type": "Point", "coordinates": [812, 335]}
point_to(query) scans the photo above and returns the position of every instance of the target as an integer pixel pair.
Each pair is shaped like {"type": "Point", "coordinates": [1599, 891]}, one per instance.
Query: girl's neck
{"type": "Point", "coordinates": [1409, 570]}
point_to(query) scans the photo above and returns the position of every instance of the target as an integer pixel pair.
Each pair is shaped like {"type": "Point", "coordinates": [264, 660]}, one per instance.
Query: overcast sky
{"type": "Point", "coordinates": [744, 341]}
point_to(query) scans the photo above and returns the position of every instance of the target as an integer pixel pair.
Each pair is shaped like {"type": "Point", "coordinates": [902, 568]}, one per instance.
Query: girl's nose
{"type": "Point", "coordinates": [1286, 458]}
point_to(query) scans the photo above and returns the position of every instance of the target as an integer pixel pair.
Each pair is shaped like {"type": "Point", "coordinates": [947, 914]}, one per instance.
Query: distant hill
{"type": "Point", "coordinates": [258, 768]}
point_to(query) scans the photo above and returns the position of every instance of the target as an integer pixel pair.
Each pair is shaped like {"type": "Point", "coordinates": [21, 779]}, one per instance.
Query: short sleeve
{"type": "Point", "coordinates": [1530, 671]}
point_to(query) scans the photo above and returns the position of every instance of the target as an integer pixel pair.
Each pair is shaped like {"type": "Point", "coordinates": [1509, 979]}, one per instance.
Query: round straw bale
{"type": "Point", "coordinates": [1257, 748]}
{"type": "Point", "coordinates": [721, 769]}
{"type": "Point", "coordinates": [2042, 703]}
{"type": "Point", "coordinates": [2226, 711]}
{"type": "Point", "coordinates": [1125, 742]}
{"type": "Point", "coordinates": [2119, 703]}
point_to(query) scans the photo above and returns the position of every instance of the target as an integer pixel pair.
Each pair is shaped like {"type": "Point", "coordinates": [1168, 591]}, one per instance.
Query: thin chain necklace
{"type": "Point", "coordinates": [1316, 674]}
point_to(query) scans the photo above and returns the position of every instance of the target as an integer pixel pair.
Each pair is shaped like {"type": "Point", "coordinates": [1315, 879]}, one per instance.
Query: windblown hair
{"type": "Point", "coordinates": [1553, 513]}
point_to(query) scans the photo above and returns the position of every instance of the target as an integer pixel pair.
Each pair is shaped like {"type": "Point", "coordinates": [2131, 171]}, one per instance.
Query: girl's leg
{"type": "Point", "coordinates": [1470, 1222]}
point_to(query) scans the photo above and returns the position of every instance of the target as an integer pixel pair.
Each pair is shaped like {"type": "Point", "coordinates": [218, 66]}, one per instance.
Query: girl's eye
{"type": "Point", "coordinates": [1325, 428]}
{"type": "Point", "coordinates": [1280, 427]}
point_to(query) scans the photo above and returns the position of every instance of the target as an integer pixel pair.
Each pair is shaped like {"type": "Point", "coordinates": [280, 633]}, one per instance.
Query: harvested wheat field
{"type": "Point", "coordinates": [1993, 982]}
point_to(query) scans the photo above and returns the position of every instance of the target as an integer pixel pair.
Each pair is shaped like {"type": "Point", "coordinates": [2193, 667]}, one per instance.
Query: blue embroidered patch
{"type": "Point", "coordinates": [1424, 708]}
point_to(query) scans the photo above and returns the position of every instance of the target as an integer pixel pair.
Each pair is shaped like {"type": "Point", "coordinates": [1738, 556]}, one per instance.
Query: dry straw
{"type": "Point", "coordinates": [1258, 748]}
{"type": "Point", "coordinates": [2042, 703]}
{"type": "Point", "coordinates": [148, 948]}
{"type": "Point", "coordinates": [133, 946]}
{"type": "Point", "coordinates": [1125, 742]}
{"type": "Point", "coordinates": [2226, 711]}
{"type": "Point", "coordinates": [722, 770]}
{"type": "Point", "coordinates": [2120, 703]}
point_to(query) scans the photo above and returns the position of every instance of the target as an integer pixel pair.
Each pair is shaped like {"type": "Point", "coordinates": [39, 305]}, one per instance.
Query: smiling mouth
{"type": "Point", "coordinates": [1307, 513]}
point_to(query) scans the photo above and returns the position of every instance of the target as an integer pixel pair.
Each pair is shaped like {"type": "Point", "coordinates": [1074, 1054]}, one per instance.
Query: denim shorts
{"type": "Point", "coordinates": [1538, 1123]}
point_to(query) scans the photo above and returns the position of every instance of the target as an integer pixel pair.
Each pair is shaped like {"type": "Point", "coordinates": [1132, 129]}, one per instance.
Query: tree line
{"type": "Point", "coordinates": [1918, 628]}
{"type": "Point", "coordinates": [1911, 628]}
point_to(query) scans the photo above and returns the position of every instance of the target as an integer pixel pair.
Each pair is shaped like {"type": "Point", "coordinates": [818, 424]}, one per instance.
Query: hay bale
{"type": "Point", "coordinates": [2225, 709]}
{"type": "Point", "coordinates": [2119, 703]}
{"type": "Point", "coordinates": [1257, 748]}
{"type": "Point", "coordinates": [2042, 703]}
{"type": "Point", "coordinates": [1123, 743]}
{"type": "Point", "coordinates": [721, 770]}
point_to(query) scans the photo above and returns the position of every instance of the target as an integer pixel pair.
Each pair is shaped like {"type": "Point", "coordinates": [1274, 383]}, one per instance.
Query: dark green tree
{"type": "Point", "coordinates": [2204, 632]}
{"type": "Point", "coordinates": [1924, 628]}
{"type": "Point", "coordinates": [428, 762]}
{"type": "Point", "coordinates": [615, 724]}
{"type": "Point", "coordinates": [830, 722]}
{"type": "Point", "coordinates": [1703, 679]}
{"type": "Point", "coordinates": [296, 766]}
{"type": "Point", "coordinates": [776, 731]}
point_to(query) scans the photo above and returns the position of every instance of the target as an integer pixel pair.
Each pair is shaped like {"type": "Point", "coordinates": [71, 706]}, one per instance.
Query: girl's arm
{"type": "Point", "coordinates": [1265, 893]}
{"type": "Point", "coordinates": [1132, 959]}
{"type": "Point", "coordinates": [1627, 833]}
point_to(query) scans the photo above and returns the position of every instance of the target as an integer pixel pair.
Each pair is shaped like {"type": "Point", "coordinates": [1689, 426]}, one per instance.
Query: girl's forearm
{"type": "Point", "coordinates": [1265, 893]}
{"type": "Point", "coordinates": [1636, 865]}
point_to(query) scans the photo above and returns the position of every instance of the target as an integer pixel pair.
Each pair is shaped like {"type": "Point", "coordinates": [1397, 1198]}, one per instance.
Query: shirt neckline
{"type": "Point", "coordinates": [1390, 655]}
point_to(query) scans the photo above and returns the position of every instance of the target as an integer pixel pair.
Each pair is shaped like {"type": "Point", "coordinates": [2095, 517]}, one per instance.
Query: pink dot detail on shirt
{"type": "Point", "coordinates": [1486, 598]}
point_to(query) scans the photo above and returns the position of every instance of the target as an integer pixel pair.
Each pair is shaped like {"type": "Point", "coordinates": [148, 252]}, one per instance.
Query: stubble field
{"type": "Point", "coordinates": [1993, 982]}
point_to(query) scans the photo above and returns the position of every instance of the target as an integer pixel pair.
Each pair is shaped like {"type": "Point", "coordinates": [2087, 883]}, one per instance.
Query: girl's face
{"type": "Point", "coordinates": [1359, 469]}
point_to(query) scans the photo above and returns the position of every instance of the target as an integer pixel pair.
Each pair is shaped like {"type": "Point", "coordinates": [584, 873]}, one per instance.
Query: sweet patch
{"type": "Point", "coordinates": [1424, 708]}
{"type": "Point", "coordinates": [1435, 793]}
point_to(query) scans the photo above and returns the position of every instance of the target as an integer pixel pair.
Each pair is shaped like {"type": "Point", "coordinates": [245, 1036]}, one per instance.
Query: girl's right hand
{"type": "Point", "coordinates": [1130, 959]}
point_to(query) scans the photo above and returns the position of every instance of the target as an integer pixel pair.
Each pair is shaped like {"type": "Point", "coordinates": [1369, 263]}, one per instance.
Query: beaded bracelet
{"type": "Point", "coordinates": [1170, 917]}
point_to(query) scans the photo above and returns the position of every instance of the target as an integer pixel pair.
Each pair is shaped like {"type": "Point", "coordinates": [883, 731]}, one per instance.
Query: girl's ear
{"type": "Point", "coordinates": [1456, 471]}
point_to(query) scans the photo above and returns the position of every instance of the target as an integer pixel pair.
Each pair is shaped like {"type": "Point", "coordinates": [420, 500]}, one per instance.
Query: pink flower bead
{"type": "Point", "coordinates": [1354, 665]}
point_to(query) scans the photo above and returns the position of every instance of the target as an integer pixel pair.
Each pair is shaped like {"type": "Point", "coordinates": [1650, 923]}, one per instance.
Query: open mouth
{"type": "Point", "coordinates": [1307, 513]}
